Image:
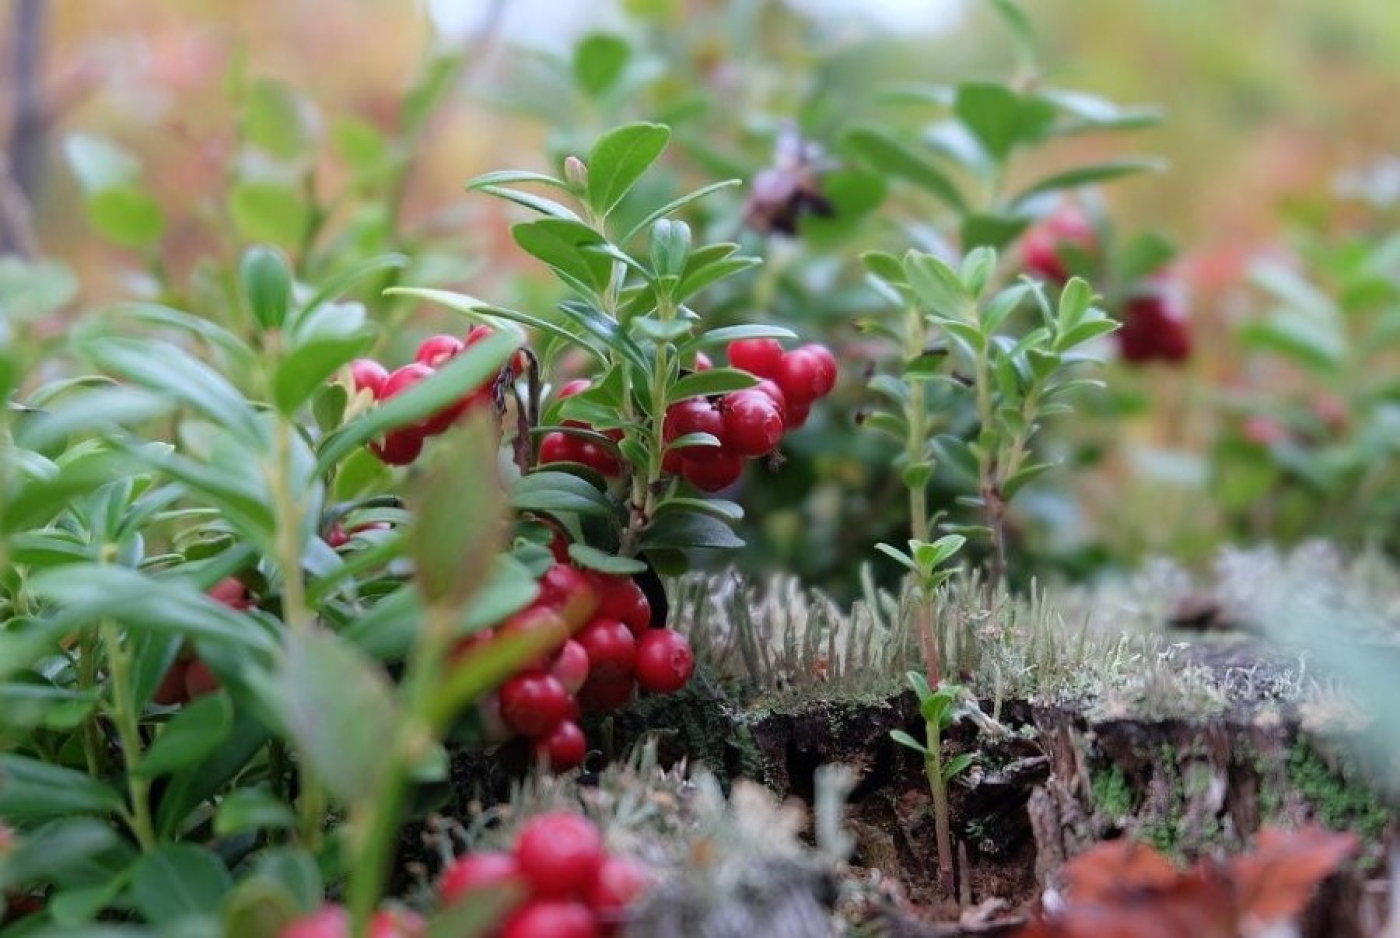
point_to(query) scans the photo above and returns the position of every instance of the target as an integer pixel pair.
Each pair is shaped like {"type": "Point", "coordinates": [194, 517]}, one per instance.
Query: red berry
{"type": "Point", "coordinates": [611, 648]}
{"type": "Point", "coordinates": [576, 386]}
{"type": "Point", "coordinates": [571, 666]}
{"type": "Point", "coordinates": [607, 694]}
{"type": "Point", "coordinates": [329, 921]}
{"type": "Point", "coordinates": [543, 624]}
{"type": "Point", "coordinates": [702, 362]}
{"type": "Point", "coordinates": [558, 447]}
{"type": "Point", "coordinates": [673, 461]}
{"type": "Point", "coordinates": [231, 592]}
{"type": "Point", "coordinates": [1155, 327]}
{"type": "Point", "coordinates": [368, 375]}
{"type": "Point", "coordinates": [761, 357]}
{"type": "Point", "coordinates": [560, 854]}
{"type": "Point", "coordinates": [753, 423]}
{"type": "Point", "coordinates": [621, 881]}
{"type": "Point", "coordinates": [625, 601]}
{"type": "Point", "coordinates": [664, 661]}
{"type": "Point", "coordinates": [533, 703]}
{"type": "Point", "coordinates": [199, 680]}
{"type": "Point", "coordinates": [806, 374]}
{"type": "Point", "coordinates": [477, 333]}
{"type": "Point", "coordinates": [395, 923]}
{"type": "Point", "coordinates": [551, 920]}
{"type": "Point", "coordinates": [770, 387]}
{"type": "Point", "coordinates": [795, 416]}
{"type": "Point", "coordinates": [435, 350]}
{"type": "Point", "coordinates": [717, 469]}
{"type": "Point", "coordinates": [400, 447]}
{"type": "Point", "coordinates": [693, 415]}
{"type": "Point", "coordinates": [1041, 246]}
{"type": "Point", "coordinates": [477, 871]}
{"type": "Point", "coordinates": [401, 379]}
{"type": "Point", "coordinates": [597, 457]}
{"type": "Point", "coordinates": [562, 584]}
{"type": "Point", "coordinates": [563, 749]}
{"type": "Point", "coordinates": [171, 689]}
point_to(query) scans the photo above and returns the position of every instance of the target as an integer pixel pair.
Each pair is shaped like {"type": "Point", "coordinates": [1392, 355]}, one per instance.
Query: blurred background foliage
{"type": "Point", "coordinates": [1267, 104]}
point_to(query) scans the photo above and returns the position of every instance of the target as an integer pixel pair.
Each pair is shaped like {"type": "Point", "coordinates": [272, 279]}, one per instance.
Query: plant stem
{"type": "Point", "coordinates": [125, 717]}
{"type": "Point", "coordinates": [87, 678]}
{"type": "Point", "coordinates": [916, 417]}
{"type": "Point", "coordinates": [311, 802]}
{"type": "Point", "coordinates": [933, 768]}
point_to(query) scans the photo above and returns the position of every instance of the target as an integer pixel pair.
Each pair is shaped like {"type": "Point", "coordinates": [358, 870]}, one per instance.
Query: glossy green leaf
{"type": "Point", "coordinates": [591, 558]}
{"type": "Point", "coordinates": [674, 206]}
{"type": "Point", "coordinates": [177, 882]}
{"type": "Point", "coordinates": [685, 530]}
{"type": "Point", "coordinates": [530, 200]}
{"type": "Point", "coordinates": [714, 381]}
{"type": "Point", "coordinates": [560, 243]}
{"type": "Point", "coordinates": [938, 286]}
{"type": "Point", "coordinates": [904, 739]}
{"type": "Point", "coordinates": [619, 159]}
{"type": "Point", "coordinates": [196, 731]}
{"type": "Point", "coordinates": [551, 492]}
{"type": "Point", "coordinates": [720, 508]}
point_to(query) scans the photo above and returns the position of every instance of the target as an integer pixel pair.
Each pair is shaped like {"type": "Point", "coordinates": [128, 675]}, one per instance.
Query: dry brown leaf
{"type": "Point", "coordinates": [1276, 879]}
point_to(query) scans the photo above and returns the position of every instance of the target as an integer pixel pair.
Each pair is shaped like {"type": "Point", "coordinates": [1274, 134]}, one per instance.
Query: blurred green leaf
{"type": "Point", "coordinates": [269, 211]}
{"type": "Point", "coordinates": [44, 853]}
{"type": "Point", "coordinates": [32, 790]}
{"type": "Point", "coordinates": [277, 119]}
{"type": "Point", "coordinates": [340, 709]}
{"type": "Point", "coordinates": [1087, 176]}
{"type": "Point", "coordinates": [1000, 118]}
{"type": "Point", "coordinates": [178, 881]}
{"type": "Point", "coordinates": [127, 216]}
{"type": "Point", "coordinates": [979, 229]}
{"type": "Point", "coordinates": [599, 60]}
{"type": "Point", "coordinates": [34, 288]}
{"type": "Point", "coordinates": [187, 791]}
{"type": "Point", "coordinates": [252, 809]}
{"type": "Point", "coordinates": [100, 164]}
{"type": "Point", "coordinates": [886, 153]}
{"type": "Point", "coordinates": [267, 285]}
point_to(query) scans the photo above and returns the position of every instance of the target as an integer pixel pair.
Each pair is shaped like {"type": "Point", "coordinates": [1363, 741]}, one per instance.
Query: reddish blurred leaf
{"type": "Point", "coordinates": [1276, 879]}
{"type": "Point", "coordinates": [1114, 868]}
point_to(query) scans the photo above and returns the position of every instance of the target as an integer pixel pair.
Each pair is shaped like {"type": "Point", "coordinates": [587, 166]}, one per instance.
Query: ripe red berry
{"type": "Point", "coordinates": [199, 680]}
{"type": "Point", "coordinates": [625, 601]}
{"type": "Point", "coordinates": [761, 357]}
{"type": "Point", "coordinates": [544, 625]}
{"type": "Point", "coordinates": [702, 362]}
{"type": "Point", "coordinates": [558, 447]}
{"type": "Point", "coordinates": [563, 749]}
{"type": "Point", "coordinates": [753, 423]}
{"type": "Point", "coordinates": [435, 350]}
{"type": "Point", "coordinates": [717, 469]}
{"type": "Point", "coordinates": [571, 666]}
{"type": "Point", "coordinates": [231, 592]}
{"type": "Point", "coordinates": [806, 374]}
{"type": "Point", "coordinates": [597, 457]}
{"type": "Point", "coordinates": [560, 854]}
{"type": "Point", "coordinates": [563, 584]}
{"type": "Point", "coordinates": [533, 703]}
{"type": "Point", "coordinates": [171, 689]}
{"type": "Point", "coordinates": [401, 379]}
{"type": "Point", "coordinates": [399, 447]}
{"type": "Point", "coordinates": [576, 386]}
{"type": "Point", "coordinates": [795, 416]}
{"type": "Point", "coordinates": [551, 920]}
{"type": "Point", "coordinates": [474, 871]}
{"type": "Point", "coordinates": [368, 375]}
{"type": "Point", "coordinates": [1155, 327]}
{"type": "Point", "coordinates": [608, 694]}
{"type": "Point", "coordinates": [1041, 246]}
{"type": "Point", "coordinates": [693, 415]}
{"type": "Point", "coordinates": [621, 881]}
{"type": "Point", "coordinates": [329, 921]}
{"type": "Point", "coordinates": [611, 647]}
{"type": "Point", "coordinates": [664, 661]}
{"type": "Point", "coordinates": [770, 387]}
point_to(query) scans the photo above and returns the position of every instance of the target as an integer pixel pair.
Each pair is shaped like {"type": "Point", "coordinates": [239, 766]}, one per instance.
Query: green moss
{"type": "Point", "coordinates": [1341, 802]}
{"type": "Point", "coordinates": [1112, 796]}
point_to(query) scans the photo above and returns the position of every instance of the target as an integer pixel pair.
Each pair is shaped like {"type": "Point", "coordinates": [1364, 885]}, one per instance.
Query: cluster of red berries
{"type": "Point", "coordinates": [189, 677]}
{"type": "Point", "coordinates": [559, 446]}
{"type": "Point", "coordinates": [598, 668]}
{"type": "Point", "coordinates": [1156, 326]}
{"type": "Point", "coordinates": [402, 445]}
{"type": "Point", "coordinates": [574, 888]}
{"type": "Point", "coordinates": [750, 423]}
